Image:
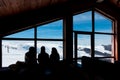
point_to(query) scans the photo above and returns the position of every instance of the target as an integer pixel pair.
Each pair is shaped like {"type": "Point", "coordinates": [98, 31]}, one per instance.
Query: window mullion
{"type": "Point", "coordinates": [92, 34]}
{"type": "Point", "coordinates": [35, 38]}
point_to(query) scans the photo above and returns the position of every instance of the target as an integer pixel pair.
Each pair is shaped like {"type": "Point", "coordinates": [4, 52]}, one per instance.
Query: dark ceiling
{"type": "Point", "coordinates": [11, 7]}
{"type": "Point", "coordinates": [16, 15]}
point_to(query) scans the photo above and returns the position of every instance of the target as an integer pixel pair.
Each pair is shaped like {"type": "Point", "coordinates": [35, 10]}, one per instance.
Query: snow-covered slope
{"type": "Point", "coordinates": [15, 51]}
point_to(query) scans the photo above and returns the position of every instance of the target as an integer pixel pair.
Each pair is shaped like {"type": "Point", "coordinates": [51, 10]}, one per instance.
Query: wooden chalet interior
{"type": "Point", "coordinates": [19, 15]}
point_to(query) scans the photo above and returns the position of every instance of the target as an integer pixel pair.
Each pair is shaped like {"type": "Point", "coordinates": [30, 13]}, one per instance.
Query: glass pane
{"type": "Point", "coordinates": [84, 48]}
{"type": "Point", "coordinates": [49, 44]}
{"type": "Point", "coordinates": [102, 24]}
{"type": "Point", "coordinates": [82, 22]}
{"type": "Point", "coordinates": [13, 51]}
{"type": "Point", "coordinates": [52, 30]}
{"type": "Point", "coordinates": [23, 34]}
{"type": "Point", "coordinates": [103, 45]}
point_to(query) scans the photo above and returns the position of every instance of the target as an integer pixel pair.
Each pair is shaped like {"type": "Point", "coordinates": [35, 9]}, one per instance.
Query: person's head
{"type": "Point", "coordinates": [54, 50]}
{"type": "Point", "coordinates": [43, 49]}
{"type": "Point", "coordinates": [32, 49]}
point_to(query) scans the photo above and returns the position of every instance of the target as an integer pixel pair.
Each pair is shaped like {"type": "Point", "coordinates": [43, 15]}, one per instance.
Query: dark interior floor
{"type": "Point", "coordinates": [91, 69]}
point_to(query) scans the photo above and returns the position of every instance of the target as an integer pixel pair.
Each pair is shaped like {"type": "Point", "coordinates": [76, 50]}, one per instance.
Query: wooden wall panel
{"type": "Point", "coordinates": [11, 7]}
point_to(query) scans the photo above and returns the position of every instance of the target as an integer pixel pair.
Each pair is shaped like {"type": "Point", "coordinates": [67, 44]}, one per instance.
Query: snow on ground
{"type": "Point", "coordinates": [15, 51]}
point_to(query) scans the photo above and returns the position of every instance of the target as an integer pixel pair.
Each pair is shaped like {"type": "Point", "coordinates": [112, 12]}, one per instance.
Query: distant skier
{"type": "Point", "coordinates": [8, 49]}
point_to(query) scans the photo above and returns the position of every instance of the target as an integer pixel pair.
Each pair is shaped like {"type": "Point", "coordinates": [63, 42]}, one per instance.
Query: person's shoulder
{"type": "Point", "coordinates": [26, 53]}
{"type": "Point", "coordinates": [39, 54]}
{"type": "Point", "coordinates": [47, 54]}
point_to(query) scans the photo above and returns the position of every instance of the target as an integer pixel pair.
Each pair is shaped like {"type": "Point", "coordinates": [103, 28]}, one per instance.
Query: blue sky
{"type": "Point", "coordinates": [50, 30]}
{"type": "Point", "coordinates": [81, 22]}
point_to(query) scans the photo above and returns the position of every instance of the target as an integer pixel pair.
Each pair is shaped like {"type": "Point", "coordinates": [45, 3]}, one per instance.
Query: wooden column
{"type": "Point", "coordinates": [118, 40]}
{"type": "Point", "coordinates": [68, 38]}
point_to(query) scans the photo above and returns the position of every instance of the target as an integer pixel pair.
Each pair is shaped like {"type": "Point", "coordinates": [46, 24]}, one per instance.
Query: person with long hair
{"type": "Point", "coordinates": [54, 56]}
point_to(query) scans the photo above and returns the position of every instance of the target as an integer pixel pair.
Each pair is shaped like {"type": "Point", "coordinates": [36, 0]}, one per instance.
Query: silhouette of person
{"type": "Point", "coordinates": [43, 57]}
{"type": "Point", "coordinates": [54, 56]}
{"type": "Point", "coordinates": [30, 56]}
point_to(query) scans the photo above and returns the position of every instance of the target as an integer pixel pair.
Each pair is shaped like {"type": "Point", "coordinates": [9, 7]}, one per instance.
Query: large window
{"type": "Point", "coordinates": [15, 46]}
{"type": "Point", "coordinates": [51, 35]}
{"type": "Point", "coordinates": [93, 36]}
